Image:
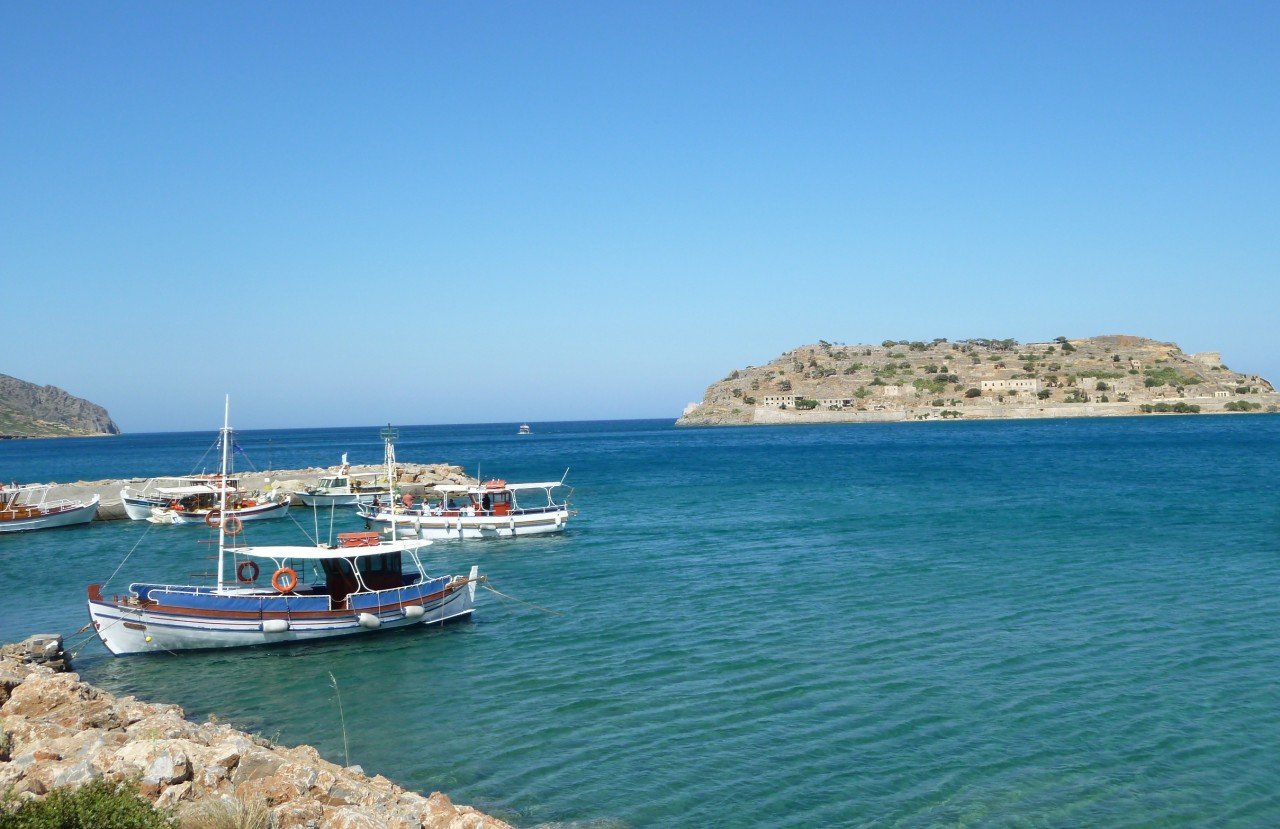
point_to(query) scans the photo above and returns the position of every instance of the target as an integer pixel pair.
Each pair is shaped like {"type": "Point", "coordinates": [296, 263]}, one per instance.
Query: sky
{"type": "Point", "coordinates": [348, 214]}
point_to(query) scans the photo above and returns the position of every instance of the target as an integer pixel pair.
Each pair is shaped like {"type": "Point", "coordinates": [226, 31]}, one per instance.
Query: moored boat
{"type": "Point", "coordinates": [28, 507]}
{"type": "Point", "coordinates": [160, 492]}
{"type": "Point", "coordinates": [345, 489]}
{"type": "Point", "coordinates": [359, 585]}
{"type": "Point", "coordinates": [493, 509]}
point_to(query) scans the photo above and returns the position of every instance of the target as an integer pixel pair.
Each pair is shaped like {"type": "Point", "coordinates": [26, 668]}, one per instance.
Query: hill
{"type": "Point", "coordinates": [31, 411]}
{"type": "Point", "coordinates": [980, 378]}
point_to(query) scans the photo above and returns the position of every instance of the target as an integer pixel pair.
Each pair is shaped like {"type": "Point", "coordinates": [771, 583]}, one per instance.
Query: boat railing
{"type": "Point", "coordinates": [420, 588]}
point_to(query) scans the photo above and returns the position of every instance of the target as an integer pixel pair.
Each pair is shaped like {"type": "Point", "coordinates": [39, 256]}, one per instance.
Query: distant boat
{"type": "Point", "coordinates": [488, 510]}
{"type": "Point", "coordinates": [524, 429]}
{"type": "Point", "coordinates": [28, 507]}
{"type": "Point", "coordinates": [316, 591]}
{"type": "Point", "coordinates": [344, 489]}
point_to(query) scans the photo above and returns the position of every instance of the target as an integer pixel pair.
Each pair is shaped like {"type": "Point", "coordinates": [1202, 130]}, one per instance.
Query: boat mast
{"type": "Point", "coordinates": [388, 437]}
{"type": "Point", "coordinates": [222, 488]}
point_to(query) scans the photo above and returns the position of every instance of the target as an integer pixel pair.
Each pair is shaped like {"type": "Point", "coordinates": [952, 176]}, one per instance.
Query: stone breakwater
{"type": "Point", "coordinates": [412, 478]}
{"type": "Point", "coordinates": [56, 731]}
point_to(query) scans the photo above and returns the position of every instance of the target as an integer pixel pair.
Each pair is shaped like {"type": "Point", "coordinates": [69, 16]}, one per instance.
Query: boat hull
{"type": "Point", "coordinates": [446, 528]}
{"type": "Point", "coordinates": [62, 518]}
{"type": "Point", "coordinates": [353, 499]}
{"type": "Point", "coordinates": [260, 512]}
{"type": "Point", "coordinates": [126, 630]}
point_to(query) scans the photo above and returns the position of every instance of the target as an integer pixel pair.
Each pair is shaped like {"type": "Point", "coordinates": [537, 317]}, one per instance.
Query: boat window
{"type": "Point", "coordinates": [380, 572]}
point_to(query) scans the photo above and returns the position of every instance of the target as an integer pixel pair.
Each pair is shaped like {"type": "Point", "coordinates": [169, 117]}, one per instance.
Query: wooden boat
{"type": "Point", "coordinates": [354, 587]}
{"type": "Point", "coordinates": [160, 492]}
{"type": "Point", "coordinates": [28, 507]}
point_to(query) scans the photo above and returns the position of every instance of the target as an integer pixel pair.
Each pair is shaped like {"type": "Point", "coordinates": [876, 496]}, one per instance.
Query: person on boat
{"type": "Point", "coordinates": [485, 503]}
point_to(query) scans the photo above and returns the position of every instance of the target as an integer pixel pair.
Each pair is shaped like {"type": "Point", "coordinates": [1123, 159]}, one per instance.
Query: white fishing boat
{"type": "Point", "coordinates": [160, 492]}
{"type": "Point", "coordinates": [524, 429]}
{"type": "Point", "coordinates": [356, 586]}
{"type": "Point", "coordinates": [28, 507]}
{"type": "Point", "coordinates": [346, 489]}
{"type": "Point", "coordinates": [207, 504]}
{"type": "Point", "coordinates": [494, 509]}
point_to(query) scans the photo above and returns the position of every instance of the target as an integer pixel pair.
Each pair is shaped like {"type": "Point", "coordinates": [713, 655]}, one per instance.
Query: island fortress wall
{"type": "Point", "coordinates": [61, 732]}
{"type": "Point", "coordinates": [980, 378]}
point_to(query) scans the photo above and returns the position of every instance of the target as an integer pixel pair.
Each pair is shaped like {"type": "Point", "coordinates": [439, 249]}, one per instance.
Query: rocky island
{"type": "Point", "coordinates": [980, 379]}
{"type": "Point", "coordinates": [31, 411]}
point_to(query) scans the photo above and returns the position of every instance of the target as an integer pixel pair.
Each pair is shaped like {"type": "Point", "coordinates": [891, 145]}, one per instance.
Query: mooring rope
{"type": "Point", "coordinates": [150, 526]}
{"type": "Point", "coordinates": [522, 601]}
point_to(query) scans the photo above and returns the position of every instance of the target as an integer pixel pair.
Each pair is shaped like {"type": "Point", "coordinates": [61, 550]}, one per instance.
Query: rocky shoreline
{"type": "Point", "coordinates": [57, 731]}
{"type": "Point", "coordinates": [412, 478]}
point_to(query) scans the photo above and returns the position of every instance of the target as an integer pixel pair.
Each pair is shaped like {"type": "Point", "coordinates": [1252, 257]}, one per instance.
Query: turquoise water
{"type": "Point", "coordinates": [1058, 623]}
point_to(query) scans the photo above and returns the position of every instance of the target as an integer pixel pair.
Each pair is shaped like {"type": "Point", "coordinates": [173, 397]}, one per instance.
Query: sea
{"type": "Point", "coordinates": [1047, 623]}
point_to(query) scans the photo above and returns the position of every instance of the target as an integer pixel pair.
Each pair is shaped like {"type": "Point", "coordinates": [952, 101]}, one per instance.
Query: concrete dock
{"type": "Point", "coordinates": [412, 478]}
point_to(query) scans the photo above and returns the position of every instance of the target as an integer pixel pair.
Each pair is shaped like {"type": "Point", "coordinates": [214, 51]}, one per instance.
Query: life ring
{"type": "Point", "coordinates": [233, 525]}
{"type": "Point", "coordinates": [249, 567]}
{"type": "Point", "coordinates": [212, 516]}
{"type": "Point", "coordinates": [284, 580]}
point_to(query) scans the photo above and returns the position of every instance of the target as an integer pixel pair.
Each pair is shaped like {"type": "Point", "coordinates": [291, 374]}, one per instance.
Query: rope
{"type": "Point", "coordinates": [522, 601]}
{"type": "Point", "coordinates": [150, 526]}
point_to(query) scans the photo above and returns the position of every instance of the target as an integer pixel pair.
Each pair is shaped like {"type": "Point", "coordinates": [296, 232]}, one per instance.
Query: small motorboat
{"type": "Point", "coordinates": [524, 429]}
{"type": "Point", "coordinates": [346, 489]}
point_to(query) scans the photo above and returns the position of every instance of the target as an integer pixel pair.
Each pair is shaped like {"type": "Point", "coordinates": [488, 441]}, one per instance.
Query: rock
{"type": "Point", "coordinates": [77, 774]}
{"type": "Point", "coordinates": [255, 763]}
{"type": "Point", "coordinates": [171, 796]}
{"type": "Point", "coordinates": [170, 766]}
{"type": "Point", "coordinates": [302, 815]}
{"type": "Point", "coordinates": [350, 817]}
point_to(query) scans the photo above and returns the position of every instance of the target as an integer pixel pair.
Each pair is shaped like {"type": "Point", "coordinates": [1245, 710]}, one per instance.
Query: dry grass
{"type": "Point", "coordinates": [225, 813]}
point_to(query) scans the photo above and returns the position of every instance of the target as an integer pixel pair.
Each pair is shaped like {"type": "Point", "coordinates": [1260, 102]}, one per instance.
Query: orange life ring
{"type": "Point", "coordinates": [212, 516]}
{"type": "Point", "coordinates": [251, 567]}
{"type": "Point", "coordinates": [284, 580]}
{"type": "Point", "coordinates": [233, 525]}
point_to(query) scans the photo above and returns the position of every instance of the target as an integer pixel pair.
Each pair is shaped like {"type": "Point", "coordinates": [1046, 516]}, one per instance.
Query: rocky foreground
{"type": "Point", "coordinates": [980, 379]}
{"type": "Point", "coordinates": [57, 731]}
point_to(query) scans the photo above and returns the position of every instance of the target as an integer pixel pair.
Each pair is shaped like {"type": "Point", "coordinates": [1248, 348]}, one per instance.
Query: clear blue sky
{"type": "Point", "coordinates": [347, 214]}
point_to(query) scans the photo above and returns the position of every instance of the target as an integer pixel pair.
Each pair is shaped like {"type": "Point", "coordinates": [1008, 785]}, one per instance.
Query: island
{"type": "Point", "coordinates": [31, 411]}
{"type": "Point", "coordinates": [980, 379]}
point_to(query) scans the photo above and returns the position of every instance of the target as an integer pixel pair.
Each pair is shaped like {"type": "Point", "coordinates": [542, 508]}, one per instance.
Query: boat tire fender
{"type": "Point", "coordinates": [247, 571]}
{"type": "Point", "coordinates": [284, 580]}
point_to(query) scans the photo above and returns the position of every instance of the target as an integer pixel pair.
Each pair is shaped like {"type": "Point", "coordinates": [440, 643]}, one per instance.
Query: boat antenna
{"type": "Point", "coordinates": [222, 486]}
{"type": "Point", "coordinates": [389, 436]}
